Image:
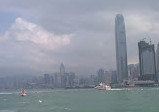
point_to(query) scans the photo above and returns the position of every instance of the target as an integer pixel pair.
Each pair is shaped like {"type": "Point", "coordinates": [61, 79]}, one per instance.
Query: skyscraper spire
{"type": "Point", "coordinates": [121, 50]}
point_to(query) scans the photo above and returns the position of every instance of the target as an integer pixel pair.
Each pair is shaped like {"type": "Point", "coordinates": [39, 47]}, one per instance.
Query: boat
{"type": "Point", "coordinates": [132, 86]}
{"type": "Point", "coordinates": [23, 93]}
{"type": "Point", "coordinates": [103, 86]}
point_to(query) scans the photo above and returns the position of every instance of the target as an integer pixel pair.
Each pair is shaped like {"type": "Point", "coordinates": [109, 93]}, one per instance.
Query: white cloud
{"type": "Point", "coordinates": [25, 31]}
{"type": "Point", "coordinates": [28, 45]}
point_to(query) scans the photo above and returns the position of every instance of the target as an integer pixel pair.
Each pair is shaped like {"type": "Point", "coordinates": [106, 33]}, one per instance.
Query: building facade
{"type": "Point", "coordinates": [62, 69]}
{"type": "Point", "coordinates": [133, 71]}
{"type": "Point", "coordinates": [101, 76]}
{"type": "Point", "coordinates": [157, 61]}
{"type": "Point", "coordinates": [147, 61]}
{"type": "Point", "coordinates": [121, 50]}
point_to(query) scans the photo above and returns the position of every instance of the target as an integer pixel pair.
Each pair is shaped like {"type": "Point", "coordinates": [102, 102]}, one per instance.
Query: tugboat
{"type": "Point", "coordinates": [23, 93]}
{"type": "Point", "coordinates": [102, 86]}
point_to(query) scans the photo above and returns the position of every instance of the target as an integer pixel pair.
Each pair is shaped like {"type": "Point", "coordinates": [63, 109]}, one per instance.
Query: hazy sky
{"type": "Point", "coordinates": [36, 36]}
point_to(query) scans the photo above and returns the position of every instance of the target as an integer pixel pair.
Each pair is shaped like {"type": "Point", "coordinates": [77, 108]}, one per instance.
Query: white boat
{"type": "Point", "coordinates": [103, 86]}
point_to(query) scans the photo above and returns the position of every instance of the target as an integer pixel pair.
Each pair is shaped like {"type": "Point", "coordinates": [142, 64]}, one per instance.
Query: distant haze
{"type": "Point", "coordinates": [36, 36]}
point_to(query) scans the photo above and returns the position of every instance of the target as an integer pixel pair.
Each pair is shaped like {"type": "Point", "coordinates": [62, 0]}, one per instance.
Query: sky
{"type": "Point", "coordinates": [36, 36]}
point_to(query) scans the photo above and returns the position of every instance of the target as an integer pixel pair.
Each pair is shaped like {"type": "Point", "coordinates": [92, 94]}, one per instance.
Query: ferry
{"type": "Point", "coordinates": [102, 86]}
{"type": "Point", "coordinates": [23, 92]}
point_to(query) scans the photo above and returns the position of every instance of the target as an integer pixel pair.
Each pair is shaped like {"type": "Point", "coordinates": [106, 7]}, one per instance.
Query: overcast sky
{"type": "Point", "coordinates": [36, 36]}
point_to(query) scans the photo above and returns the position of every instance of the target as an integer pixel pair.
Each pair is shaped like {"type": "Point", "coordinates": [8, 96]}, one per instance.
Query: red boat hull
{"type": "Point", "coordinates": [132, 86]}
{"type": "Point", "coordinates": [103, 88]}
{"type": "Point", "coordinates": [23, 94]}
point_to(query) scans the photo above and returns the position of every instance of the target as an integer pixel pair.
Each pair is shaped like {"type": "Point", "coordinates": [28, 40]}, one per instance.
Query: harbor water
{"type": "Point", "coordinates": [81, 100]}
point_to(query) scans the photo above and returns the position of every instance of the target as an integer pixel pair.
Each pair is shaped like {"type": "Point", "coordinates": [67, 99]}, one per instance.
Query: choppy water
{"type": "Point", "coordinates": [82, 100]}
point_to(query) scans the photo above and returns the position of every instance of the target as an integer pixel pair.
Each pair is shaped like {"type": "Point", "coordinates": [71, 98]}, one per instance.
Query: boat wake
{"type": "Point", "coordinates": [116, 89]}
{"type": "Point", "coordinates": [40, 101]}
{"type": "Point", "coordinates": [67, 109]}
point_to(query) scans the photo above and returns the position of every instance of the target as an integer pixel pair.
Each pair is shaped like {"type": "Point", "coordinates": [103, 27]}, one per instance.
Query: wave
{"type": "Point", "coordinates": [7, 111]}
{"type": "Point", "coordinates": [5, 94]}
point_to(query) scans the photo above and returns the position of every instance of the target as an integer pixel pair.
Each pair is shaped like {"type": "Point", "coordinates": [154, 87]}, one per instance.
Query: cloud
{"type": "Point", "coordinates": [24, 31]}
{"type": "Point", "coordinates": [50, 41]}
{"type": "Point", "coordinates": [28, 45]}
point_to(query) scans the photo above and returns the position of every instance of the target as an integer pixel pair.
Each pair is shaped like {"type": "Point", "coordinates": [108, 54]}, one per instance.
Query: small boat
{"type": "Point", "coordinates": [23, 92]}
{"type": "Point", "coordinates": [102, 86]}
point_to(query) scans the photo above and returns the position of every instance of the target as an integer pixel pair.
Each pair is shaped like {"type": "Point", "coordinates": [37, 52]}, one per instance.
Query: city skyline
{"type": "Point", "coordinates": [36, 40]}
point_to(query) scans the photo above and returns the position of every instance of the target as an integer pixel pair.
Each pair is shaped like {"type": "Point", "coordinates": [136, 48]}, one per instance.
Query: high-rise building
{"type": "Point", "coordinates": [62, 69]}
{"type": "Point", "coordinates": [147, 61]}
{"type": "Point", "coordinates": [113, 76]}
{"type": "Point", "coordinates": [121, 50]}
{"type": "Point", "coordinates": [63, 75]}
{"type": "Point", "coordinates": [157, 62]}
{"type": "Point", "coordinates": [101, 76]}
{"type": "Point", "coordinates": [46, 78]}
{"type": "Point", "coordinates": [133, 70]}
{"type": "Point", "coordinates": [107, 77]}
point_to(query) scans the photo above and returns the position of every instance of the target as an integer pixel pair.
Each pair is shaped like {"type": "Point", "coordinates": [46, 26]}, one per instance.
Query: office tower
{"type": "Point", "coordinates": [133, 70]}
{"type": "Point", "coordinates": [113, 76]}
{"type": "Point", "coordinates": [46, 78]}
{"type": "Point", "coordinates": [147, 61]}
{"type": "Point", "coordinates": [121, 50]}
{"type": "Point", "coordinates": [62, 69]}
{"type": "Point", "coordinates": [63, 76]}
{"type": "Point", "coordinates": [71, 79]}
{"type": "Point", "coordinates": [157, 62]}
{"type": "Point", "coordinates": [101, 76]}
{"type": "Point", "coordinates": [107, 77]}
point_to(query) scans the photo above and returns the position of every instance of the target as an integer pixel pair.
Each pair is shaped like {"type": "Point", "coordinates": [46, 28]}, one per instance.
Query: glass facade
{"type": "Point", "coordinates": [121, 50]}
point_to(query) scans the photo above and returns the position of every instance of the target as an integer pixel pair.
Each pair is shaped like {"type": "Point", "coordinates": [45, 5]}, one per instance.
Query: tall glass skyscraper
{"type": "Point", "coordinates": [121, 50]}
{"type": "Point", "coordinates": [157, 57]}
{"type": "Point", "coordinates": [147, 61]}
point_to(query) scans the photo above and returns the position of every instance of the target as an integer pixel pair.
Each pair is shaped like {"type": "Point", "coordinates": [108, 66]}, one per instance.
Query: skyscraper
{"type": "Point", "coordinates": [147, 61]}
{"type": "Point", "coordinates": [121, 50]}
{"type": "Point", "coordinates": [157, 57]}
{"type": "Point", "coordinates": [101, 77]}
{"type": "Point", "coordinates": [63, 76]}
{"type": "Point", "coordinates": [47, 79]}
{"type": "Point", "coordinates": [62, 69]}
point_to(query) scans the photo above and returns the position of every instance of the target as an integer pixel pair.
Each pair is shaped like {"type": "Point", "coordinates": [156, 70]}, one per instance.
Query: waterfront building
{"type": "Point", "coordinates": [113, 76]}
{"type": "Point", "coordinates": [62, 69]}
{"type": "Point", "coordinates": [71, 79]}
{"type": "Point", "coordinates": [63, 75]}
{"type": "Point", "coordinates": [133, 70]}
{"type": "Point", "coordinates": [147, 61]}
{"type": "Point", "coordinates": [47, 79]}
{"type": "Point", "coordinates": [121, 50]}
{"type": "Point", "coordinates": [157, 60]}
{"type": "Point", "coordinates": [101, 76]}
{"type": "Point", "coordinates": [107, 77]}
